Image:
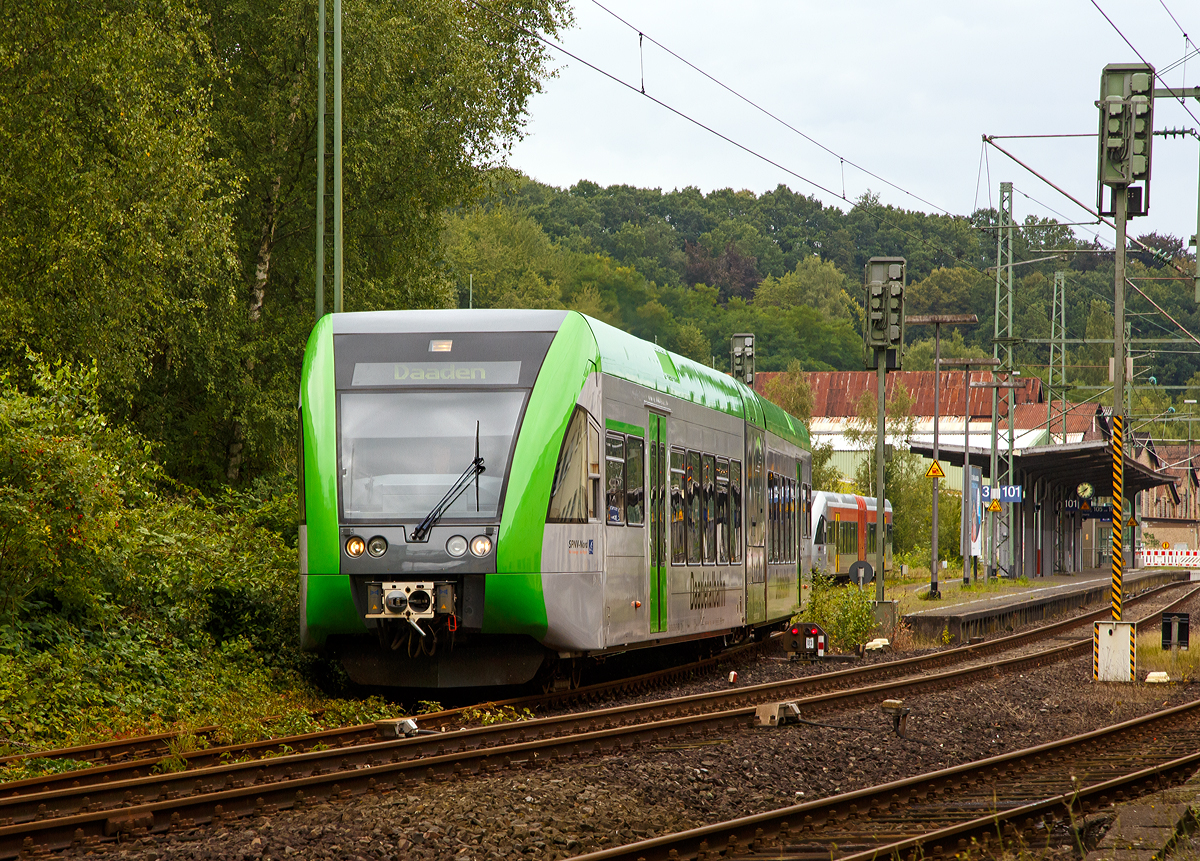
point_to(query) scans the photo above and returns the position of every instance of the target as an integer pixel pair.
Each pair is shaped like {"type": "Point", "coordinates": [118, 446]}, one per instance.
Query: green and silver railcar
{"type": "Point", "coordinates": [492, 496]}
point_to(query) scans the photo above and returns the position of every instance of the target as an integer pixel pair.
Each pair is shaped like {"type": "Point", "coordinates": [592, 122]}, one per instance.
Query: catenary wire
{"type": "Point", "coordinates": [868, 209]}
{"type": "Point", "coordinates": [766, 112]}
{"type": "Point", "coordinates": [1181, 99]}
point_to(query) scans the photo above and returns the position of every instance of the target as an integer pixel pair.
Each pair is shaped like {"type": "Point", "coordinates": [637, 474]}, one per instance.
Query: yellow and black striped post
{"type": "Point", "coordinates": [1118, 512]}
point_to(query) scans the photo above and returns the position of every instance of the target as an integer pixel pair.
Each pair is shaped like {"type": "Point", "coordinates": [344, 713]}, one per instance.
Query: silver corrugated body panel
{"type": "Point", "coordinates": [304, 639]}
{"type": "Point", "coordinates": [573, 586]}
{"type": "Point", "coordinates": [573, 567]}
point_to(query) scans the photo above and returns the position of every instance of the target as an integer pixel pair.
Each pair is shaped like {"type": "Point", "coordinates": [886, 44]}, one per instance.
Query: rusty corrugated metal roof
{"type": "Point", "coordinates": [836, 393]}
{"type": "Point", "coordinates": [1081, 419]}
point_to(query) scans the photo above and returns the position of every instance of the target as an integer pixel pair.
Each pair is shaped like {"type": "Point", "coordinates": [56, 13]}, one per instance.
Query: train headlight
{"type": "Point", "coordinates": [481, 545]}
{"type": "Point", "coordinates": [377, 546]}
{"type": "Point", "coordinates": [395, 601]}
{"type": "Point", "coordinates": [355, 547]}
{"type": "Point", "coordinates": [456, 546]}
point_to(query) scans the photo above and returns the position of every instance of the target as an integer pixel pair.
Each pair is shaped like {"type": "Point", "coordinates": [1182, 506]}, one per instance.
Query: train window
{"type": "Point", "coordinates": [593, 469]}
{"type": "Point", "coordinates": [735, 511]}
{"type": "Point", "coordinates": [722, 515]}
{"type": "Point", "coordinates": [569, 491]}
{"type": "Point", "coordinates": [789, 520]}
{"type": "Point", "coordinates": [819, 537]}
{"type": "Point", "coordinates": [678, 511]}
{"type": "Point", "coordinates": [785, 520]}
{"type": "Point", "coordinates": [694, 504]}
{"type": "Point", "coordinates": [806, 511]}
{"type": "Point", "coordinates": [614, 477]}
{"type": "Point", "coordinates": [770, 511]}
{"type": "Point", "coordinates": [755, 488]}
{"type": "Point", "coordinates": [710, 509]}
{"type": "Point", "coordinates": [792, 522]}
{"type": "Point", "coordinates": [772, 520]}
{"type": "Point", "coordinates": [635, 483]}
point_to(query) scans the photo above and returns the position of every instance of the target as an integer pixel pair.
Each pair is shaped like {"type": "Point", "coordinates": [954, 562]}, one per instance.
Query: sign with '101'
{"type": "Point", "coordinates": [1003, 493]}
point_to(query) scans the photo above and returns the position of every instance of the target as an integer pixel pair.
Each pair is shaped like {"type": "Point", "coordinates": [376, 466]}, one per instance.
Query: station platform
{"type": "Point", "coordinates": [964, 616]}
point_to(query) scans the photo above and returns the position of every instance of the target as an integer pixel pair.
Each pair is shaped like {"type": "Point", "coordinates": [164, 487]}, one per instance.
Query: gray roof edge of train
{"type": "Point", "coordinates": [849, 498]}
{"type": "Point", "coordinates": [448, 320]}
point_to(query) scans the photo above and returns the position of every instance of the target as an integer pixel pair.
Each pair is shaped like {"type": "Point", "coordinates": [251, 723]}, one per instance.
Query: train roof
{"type": "Point", "coordinates": [630, 358]}
{"type": "Point", "coordinates": [448, 320]}
{"type": "Point", "coordinates": [620, 355]}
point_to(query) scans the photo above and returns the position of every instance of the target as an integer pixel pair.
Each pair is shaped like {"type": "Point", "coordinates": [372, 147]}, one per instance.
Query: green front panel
{"type": "Point", "coordinates": [513, 601]}
{"type": "Point", "coordinates": [329, 605]}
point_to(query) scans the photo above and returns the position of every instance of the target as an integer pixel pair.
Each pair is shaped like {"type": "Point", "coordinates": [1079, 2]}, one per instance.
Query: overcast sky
{"type": "Point", "coordinates": [902, 89]}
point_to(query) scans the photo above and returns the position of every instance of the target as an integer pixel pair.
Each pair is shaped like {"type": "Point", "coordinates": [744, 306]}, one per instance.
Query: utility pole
{"type": "Point", "coordinates": [327, 236]}
{"type": "Point", "coordinates": [1057, 376]}
{"type": "Point", "coordinates": [883, 341]}
{"type": "Point", "coordinates": [1001, 473]}
{"type": "Point", "coordinates": [937, 320]}
{"type": "Point", "coordinates": [1191, 494]}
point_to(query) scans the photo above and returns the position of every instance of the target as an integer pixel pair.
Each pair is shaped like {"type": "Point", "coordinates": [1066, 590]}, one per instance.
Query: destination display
{"type": "Point", "coordinates": [436, 374]}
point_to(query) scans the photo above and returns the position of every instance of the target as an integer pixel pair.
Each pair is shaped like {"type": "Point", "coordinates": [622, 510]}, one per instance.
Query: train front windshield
{"type": "Point", "coordinates": [401, 451]}
{"type": "Point", "coordinates": [410, 408]}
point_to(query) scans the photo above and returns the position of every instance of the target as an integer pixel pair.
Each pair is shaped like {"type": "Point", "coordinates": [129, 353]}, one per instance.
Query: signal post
{"type": "Point", "coordinates": [1126, 133]}
{"type": "Point", "coordinates": [883, 342]}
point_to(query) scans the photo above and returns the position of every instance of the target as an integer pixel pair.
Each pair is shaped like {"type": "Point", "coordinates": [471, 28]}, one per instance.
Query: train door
{"type": "Point", "coordinates": [657, 455]}
{"type": "Point", "coordinates": [837, 543]}
{"type": "Point", "coordinates": [756, 533]}
{"type": "Point", "coordinates": [804, 558]}
{"type": "Point", "coordinates": [862, 544]}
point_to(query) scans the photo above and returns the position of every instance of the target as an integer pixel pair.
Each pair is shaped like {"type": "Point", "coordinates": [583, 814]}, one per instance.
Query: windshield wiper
{"type": "Point", "coordinates": [472, 472]}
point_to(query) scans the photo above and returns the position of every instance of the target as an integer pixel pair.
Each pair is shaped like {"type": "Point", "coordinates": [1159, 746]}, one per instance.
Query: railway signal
{"type": "Point", "coordinates": [1126, 133]}
{"type": "Point", "coordinates": [741, 357]}
{"type": "Point", "coordinates": [883, 340]}
{"type": "Point", "coordinates": [885, 304]}
{"type": "Point", "coordinates": [804, 641]}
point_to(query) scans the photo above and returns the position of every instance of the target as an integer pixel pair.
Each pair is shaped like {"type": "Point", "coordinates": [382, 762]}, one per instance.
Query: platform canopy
{"type": "Point", "coordinates": [1070, 464]}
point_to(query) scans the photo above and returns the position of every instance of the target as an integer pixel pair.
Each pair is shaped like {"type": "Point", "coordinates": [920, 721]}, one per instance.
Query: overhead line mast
{"type": "Point", "coordinates": [329, 236]}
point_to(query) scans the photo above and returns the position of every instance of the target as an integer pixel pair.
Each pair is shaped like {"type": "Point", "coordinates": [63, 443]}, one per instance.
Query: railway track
{"type": "Point", "coordinates": [141, 757]}
{"type": "Point", "coordinates": [978, 804]}
{"type": "Point", "coordinates": [67, 815]}
{"type": "Point", "coordinates": [121, 769]}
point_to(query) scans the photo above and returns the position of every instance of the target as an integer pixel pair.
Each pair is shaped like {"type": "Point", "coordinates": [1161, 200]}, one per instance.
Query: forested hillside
{"type": "Point", "coordinates": [689, 269]}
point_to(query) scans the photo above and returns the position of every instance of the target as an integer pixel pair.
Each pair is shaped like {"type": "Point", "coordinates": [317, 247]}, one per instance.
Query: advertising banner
{"type": "Point", "coordinates": [973, 514]}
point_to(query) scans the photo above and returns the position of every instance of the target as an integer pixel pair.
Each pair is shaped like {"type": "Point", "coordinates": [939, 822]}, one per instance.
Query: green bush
{"type": "Point", "coordinates": [846, 613]}
{"type": "Point", "coordinates": [131, 605]}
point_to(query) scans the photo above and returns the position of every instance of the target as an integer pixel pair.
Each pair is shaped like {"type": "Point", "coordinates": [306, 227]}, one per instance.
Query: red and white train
{"type": "Point", "coordinates": [843, 532]}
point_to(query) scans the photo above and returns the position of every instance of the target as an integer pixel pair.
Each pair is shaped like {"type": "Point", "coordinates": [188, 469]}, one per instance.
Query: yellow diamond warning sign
{"type": "Point", "coordinates": [995, 506]}
{"type": "Point", "coordinates": [935, 471]}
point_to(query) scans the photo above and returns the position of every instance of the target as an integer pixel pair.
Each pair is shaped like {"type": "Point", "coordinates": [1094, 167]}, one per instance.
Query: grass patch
{"type": "Point", "coordinates": [1181, 666]}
